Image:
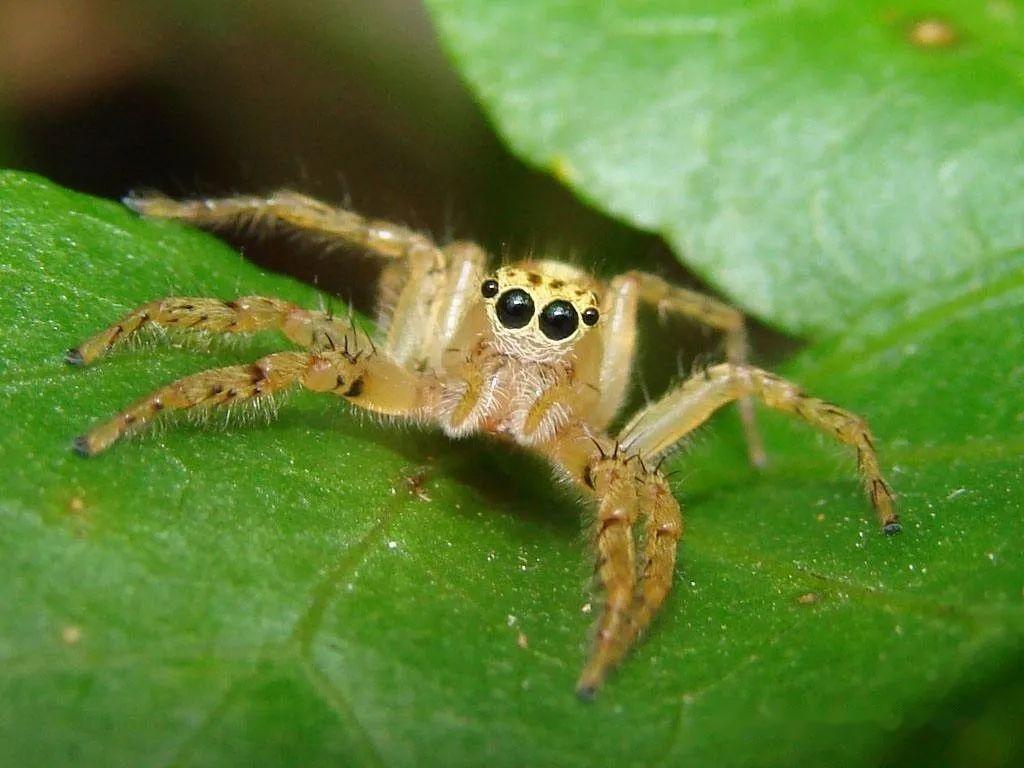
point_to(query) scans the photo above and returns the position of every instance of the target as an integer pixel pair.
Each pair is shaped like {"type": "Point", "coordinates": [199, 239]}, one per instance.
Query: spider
{"type": "Point", "coordinates": [536, 353]}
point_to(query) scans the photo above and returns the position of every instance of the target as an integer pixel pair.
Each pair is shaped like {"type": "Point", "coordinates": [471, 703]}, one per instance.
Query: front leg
{"type": "Point", "coordinates": [367, 380]}
{"type": "Point", "coordinates": [248, 314]}
{"type": "Point", "coordinates": [662, 424]}
{"type": "Point", "coordinates": [626, 491]}
{"type": "Point", "coordinates": [617, 512]}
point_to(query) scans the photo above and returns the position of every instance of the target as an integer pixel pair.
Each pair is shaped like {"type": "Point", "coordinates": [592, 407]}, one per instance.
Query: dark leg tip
{"type": "Point", "coordinates": [892, 528]}
{"type": "Point", "coordinates": [74, 357]}
{"type": "Point", "coordinates": [80, 445]}
{"type": "Point", "coordinates": [586, 692]}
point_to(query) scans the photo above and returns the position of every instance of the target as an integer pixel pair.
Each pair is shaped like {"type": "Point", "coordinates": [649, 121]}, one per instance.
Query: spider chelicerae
{"type": "Point", "coordinates": [538, 353]}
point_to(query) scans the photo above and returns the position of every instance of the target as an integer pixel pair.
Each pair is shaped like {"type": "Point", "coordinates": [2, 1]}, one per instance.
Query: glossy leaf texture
{"type": "Point", "coordinates": [806, 158]}
{"type": "Point", "coordinates": [324, 589]}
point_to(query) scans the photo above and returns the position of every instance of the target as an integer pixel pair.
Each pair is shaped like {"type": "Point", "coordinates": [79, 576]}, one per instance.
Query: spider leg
{"type": "Point", "coordinates": [364, 378]}
{"type": "Point", "coordinates": [663, 527]}
{"type": "Point", "coordinates": [610, 364]}
{"type": "Point", "coordinates": [307, 328]}
{"type": "Point", "coordinates": [660, 425]}
{"type": "Point", "coordinates": [718, 315]}
{"type": "Point", "coordinates": [423, 288]}
{"type": "Point", "coordinates": [626, 490]}
{"type": "Point", "coordinates": [424, 304]}
{"type": "Point", "coordinates": [616, 567]}
{"type": "Point", "coordinates": [302, 213]}
{"type": "Point", "coordinates": [466, 264]}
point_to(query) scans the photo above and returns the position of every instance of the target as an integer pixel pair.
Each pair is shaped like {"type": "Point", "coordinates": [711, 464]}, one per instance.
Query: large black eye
{"type": "Point", "coordinates": [515, 308]}
{"type": "Point", "coordinates": [559, 320]}
{"type": "Point", "coordinates": [489, 289]}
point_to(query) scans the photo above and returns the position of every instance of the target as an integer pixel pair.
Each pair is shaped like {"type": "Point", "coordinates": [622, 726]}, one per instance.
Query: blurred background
{"type": "Point", "coordinates": [350, 100]}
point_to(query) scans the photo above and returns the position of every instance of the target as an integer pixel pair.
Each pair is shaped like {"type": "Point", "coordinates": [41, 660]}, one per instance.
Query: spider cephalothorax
{"type": "Point", "coordinates": [539, 353]}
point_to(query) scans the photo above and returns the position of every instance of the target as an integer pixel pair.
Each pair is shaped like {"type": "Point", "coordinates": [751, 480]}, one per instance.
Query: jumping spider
{"type": "Point", "coordinates": [537, 353]}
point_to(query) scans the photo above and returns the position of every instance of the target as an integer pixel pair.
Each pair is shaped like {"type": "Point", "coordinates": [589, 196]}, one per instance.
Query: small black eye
{"type": "Point", "coordinates": [489, 289]}
{"type": "Point", "coordinates": [559, 320]}
{"type": "Point", "coordinates": [590, 316]}
{"type": "Point", "coordinates": [515, 308]}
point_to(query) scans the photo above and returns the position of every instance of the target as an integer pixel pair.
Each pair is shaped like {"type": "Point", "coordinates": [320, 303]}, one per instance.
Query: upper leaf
{"type": "Point", "coordinates": [807, 158]}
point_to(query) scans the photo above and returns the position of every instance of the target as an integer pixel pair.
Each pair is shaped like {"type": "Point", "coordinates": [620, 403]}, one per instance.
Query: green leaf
{"type": "Point", "coordinates": [806, 158]}
{"type": "Point", "coordinates": [276, 594]}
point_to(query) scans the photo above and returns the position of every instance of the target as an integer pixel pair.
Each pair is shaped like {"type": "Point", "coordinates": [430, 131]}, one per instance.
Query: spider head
{"type": "Point", "coordinates": [539, 310]}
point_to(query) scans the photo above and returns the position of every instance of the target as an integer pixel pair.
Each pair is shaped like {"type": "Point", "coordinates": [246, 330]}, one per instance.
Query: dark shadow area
{"type": "Point", "coordinates": [355, 104]}
{"type": "Point", "coordinates": [980, 725]}
{"type": "Point", "coordinates": [107, 143]}
{"type": "Point", "coordinates": [507, 478]}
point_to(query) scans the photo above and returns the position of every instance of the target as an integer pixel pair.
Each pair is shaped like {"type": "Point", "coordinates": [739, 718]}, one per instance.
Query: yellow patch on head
{"type": "Point", "coordinates": [540, 309]}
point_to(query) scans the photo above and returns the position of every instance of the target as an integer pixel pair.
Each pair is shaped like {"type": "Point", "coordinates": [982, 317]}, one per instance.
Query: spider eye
{"type": "Point", "coordinates": [489, 289]}
{"type": "Point", "coordinates": [558, 320]}
{"type": "Point", "coordinates": [590, 316]}
{"type": "Point", "coordinates": [515, 308]}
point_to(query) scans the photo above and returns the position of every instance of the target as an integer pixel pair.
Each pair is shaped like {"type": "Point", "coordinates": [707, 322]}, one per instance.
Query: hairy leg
{"type": "Point", "coordinates": [616, 567]}
{"type": "Point", "coordinates": [660, 425]}
{"type": "Point", "coordinates": [424, 289]}
{"type": "Point", "coordinates": [466, 264]}
{"type": "Point", "coordinates": [718, 315]}
{"type": "Point", "coordinates": [428, 308]}
{"type": "Point", "coordinates": [302, 213]}
{"type": "Point", "coordinates": [609, 365]}
{"type": "Point", "coordinates": [626, 490]}
{"type": "Point", "coordinates": [662, 530]}
{"type": "Point", "coordinates": [307, 328]}
{"type": "Point", "coordinates": [364, 378]}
